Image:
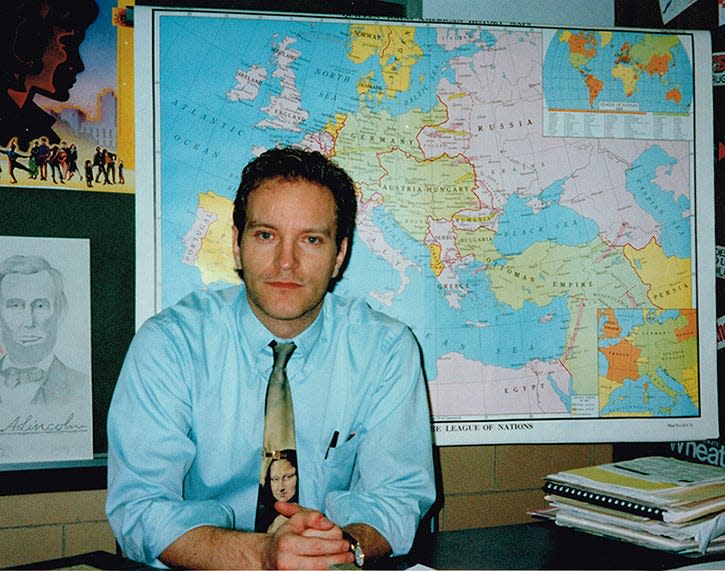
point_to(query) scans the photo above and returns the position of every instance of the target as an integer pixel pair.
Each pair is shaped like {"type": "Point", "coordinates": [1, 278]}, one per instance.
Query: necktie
{"type": "Point", "coordinates": [279, 439]}
{"type": "Point", "coordinates": [15, 376]}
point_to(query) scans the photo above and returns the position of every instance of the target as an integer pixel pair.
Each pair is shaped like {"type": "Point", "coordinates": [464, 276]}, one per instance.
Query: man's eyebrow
{"type": "Point", "coordinates": [324, 230]}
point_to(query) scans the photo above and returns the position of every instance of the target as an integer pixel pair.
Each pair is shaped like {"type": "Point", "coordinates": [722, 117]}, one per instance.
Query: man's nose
{"type": "Point", "coordinates": [287, 255]}
{"type": "Point", "coordinates": [28, 317]}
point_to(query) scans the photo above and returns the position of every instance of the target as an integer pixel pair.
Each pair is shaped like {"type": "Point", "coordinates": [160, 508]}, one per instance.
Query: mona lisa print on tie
{"type": "Point", "coordinates": [278, 471]}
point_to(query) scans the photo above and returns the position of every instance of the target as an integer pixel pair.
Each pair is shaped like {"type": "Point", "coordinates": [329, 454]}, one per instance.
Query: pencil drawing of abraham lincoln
{"type": "Point", "coordinates": [32, 305]}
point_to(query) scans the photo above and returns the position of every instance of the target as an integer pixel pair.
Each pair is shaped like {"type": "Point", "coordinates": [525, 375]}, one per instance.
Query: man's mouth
{"type": "Point", "coordinates": [284, 285]}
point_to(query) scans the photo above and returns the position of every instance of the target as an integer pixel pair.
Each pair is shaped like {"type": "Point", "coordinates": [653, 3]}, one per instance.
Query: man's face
{"type": "Point", "coordinates": [61, 64]}
{"type": "Point", "coordinates": [283, 480]}
{"type": "Point", "coordinates": [28, 316]}
{"type": "Point", "coordinates": [288, 252]}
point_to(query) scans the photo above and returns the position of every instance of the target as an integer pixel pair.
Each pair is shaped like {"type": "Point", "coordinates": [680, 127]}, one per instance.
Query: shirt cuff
{"type": "Point", "coordinates": [183, 517]}
{"type": "Point", "coordinates": [395, 522]}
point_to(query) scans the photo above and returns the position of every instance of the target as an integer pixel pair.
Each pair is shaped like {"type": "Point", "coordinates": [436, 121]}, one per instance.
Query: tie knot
{"type": "Point", "coordinates": [282, 353]}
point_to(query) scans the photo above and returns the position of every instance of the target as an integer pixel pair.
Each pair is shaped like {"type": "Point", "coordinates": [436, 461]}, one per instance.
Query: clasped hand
{"type": "Point", "coordinates": [307, 540]}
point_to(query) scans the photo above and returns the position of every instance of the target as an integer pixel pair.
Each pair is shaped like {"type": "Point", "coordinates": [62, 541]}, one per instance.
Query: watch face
{"type": "Point", "coordinates": [359, 556]}
{"type": "Point", "coordinates": [357, 551]}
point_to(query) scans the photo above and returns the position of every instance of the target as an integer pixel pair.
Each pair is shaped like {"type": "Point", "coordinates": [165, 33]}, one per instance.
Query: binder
{"type": "Point", "coordinates": [604, 500]}
{"type": "Point", "coordinates": [655, 487]}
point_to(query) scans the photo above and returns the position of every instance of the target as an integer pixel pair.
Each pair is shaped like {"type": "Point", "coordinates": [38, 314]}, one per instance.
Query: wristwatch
{"type": "Point", "coordinates": [355, 548]}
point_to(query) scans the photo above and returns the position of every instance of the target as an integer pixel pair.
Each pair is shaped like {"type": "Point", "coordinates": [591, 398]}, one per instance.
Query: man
{"type": "Point", "coordinates": [186, 423]}
{"type": "Point", "coordinates": [32, 303]}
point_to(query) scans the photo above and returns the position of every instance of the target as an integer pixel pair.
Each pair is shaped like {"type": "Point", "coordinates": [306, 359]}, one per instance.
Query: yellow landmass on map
{"type": "Point", "coordinates": [668, 277]}
{"type": "Point", "coordinates": [605, 38]}
{"type": "Point", "coordinates": [334, 126]}
{"type": "Point", "coordinates": [628, 75]}
{"type": "Point", "coordinates": [436, 265]}
{"type": "Point", "coordinates": [215, 260]}
{"type": "Point", "coordinates": [365, 87]}
{"type": "Point", "coordinates": [606, 387]}
{"type": "Point", "coordinates": [690, 381]}
{"type": "Point", "coordinates": [395, 48]}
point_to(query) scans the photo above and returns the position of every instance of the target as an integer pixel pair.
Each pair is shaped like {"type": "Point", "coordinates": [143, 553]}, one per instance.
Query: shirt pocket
{"type": "Point", "coordinates": [340, 462]}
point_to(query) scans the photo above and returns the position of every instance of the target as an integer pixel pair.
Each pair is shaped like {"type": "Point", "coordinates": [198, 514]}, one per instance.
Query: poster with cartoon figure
{"type": "Point", "coordinates": [66, 94]}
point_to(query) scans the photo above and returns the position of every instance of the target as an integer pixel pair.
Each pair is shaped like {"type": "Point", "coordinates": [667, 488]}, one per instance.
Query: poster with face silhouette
{"type": "Point", "coordinates": [45, 356]}
{"type": "Point", "coordinates": [66, 94]}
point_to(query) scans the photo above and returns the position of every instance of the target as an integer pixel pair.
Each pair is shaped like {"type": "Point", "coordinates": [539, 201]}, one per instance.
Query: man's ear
{"type": "Point", "coordinates": [236, 249]}
{"type": "Point", "coordinates": [340, 258]}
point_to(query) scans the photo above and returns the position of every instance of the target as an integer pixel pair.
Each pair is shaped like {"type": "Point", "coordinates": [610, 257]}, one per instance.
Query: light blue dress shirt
{"type": "Point", "coordinates": [186, 420]}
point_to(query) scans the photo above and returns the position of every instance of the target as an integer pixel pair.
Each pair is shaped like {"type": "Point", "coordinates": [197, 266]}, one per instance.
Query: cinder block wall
{"type": "Point", "coordinates": [483, 486]}
{"type": "Point", "coordinates": [35, 527]}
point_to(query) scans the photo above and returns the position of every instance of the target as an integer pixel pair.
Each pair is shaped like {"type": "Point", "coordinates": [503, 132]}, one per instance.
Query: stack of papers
{"type": "Point", "coordinates": [659, 502]}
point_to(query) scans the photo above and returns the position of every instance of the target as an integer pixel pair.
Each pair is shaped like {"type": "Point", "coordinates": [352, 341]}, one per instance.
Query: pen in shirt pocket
{"type": "Point", "coordinates": [333, 442]}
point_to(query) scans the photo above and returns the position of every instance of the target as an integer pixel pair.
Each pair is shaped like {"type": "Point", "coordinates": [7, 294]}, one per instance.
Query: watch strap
{"type": "Point", "coordinates": [355, 548]}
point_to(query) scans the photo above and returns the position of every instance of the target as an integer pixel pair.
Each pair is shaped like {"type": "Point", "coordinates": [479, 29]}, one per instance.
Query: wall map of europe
{"type": "Point", "coordinates": [521, 192]}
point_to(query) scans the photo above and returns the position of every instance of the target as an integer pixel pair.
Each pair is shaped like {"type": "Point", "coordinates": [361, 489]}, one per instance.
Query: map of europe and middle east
{"type": "Point", "coordinates": [545, 276]}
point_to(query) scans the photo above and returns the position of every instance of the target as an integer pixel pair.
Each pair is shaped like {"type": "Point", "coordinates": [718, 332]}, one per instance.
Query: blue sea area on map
{"type": "Point", "coordinates": [602, 365]}
{"type": "Point", "coordinates": [662, 205]}
{"type": "Point", "coordinates": [496, 333]}
{"type": "Point", "coordinates": [684, 405]}
{"type": "Point", "coordinates": [565, 87]}
{"type": "Point", "coordinates": [642, 396]}
{"type": "Point", "coordinates": [663, 315]}
{"type": "Point", "coordinates": [521, 227]}
{"type": "Point", "coordinates": [243, 43]}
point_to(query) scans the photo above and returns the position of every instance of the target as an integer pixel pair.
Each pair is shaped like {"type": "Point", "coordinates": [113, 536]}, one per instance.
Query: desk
{"type": "Point", "coordinates": [92, 560]}
{"type": "Point", "coordinates": [540, 545]}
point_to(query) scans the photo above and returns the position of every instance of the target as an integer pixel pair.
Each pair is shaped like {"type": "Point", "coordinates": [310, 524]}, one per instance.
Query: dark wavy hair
{"type": "Point", "coordinates": [293, 163]}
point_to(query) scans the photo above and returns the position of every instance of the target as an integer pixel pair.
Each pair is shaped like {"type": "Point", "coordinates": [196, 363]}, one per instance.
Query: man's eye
{"type": "Point", "coordinates": [264, 235]}
{"type": "Point", "coordinates": [314, 240]}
